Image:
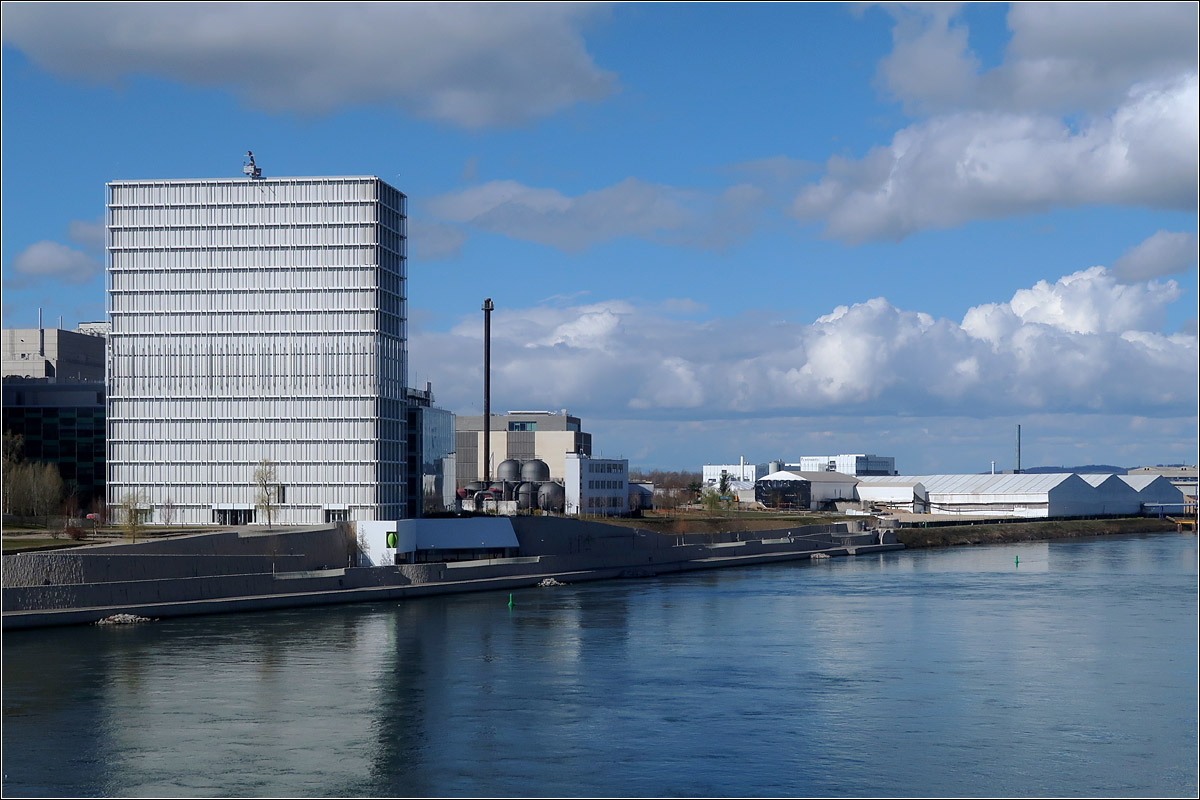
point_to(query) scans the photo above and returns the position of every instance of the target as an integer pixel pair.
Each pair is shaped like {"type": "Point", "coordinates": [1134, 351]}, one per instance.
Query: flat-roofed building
{"type": "Point", "coordinates": [258, 319]}
{"type": "Point", "coordinates": [58, 355]}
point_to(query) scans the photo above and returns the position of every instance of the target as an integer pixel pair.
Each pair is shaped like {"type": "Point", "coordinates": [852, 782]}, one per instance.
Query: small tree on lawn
{"type": "Point", "coordinates": [266, 479]}
{"type": "Point", "coordinates": [132, 508]}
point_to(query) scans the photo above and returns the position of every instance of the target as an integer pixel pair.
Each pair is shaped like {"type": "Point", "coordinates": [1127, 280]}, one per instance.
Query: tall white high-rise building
{"type": "Point", "coordinates": [257, 319]}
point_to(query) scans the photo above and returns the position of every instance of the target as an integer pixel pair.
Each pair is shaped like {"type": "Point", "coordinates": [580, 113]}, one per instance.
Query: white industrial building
{"type": "Point", "coordinates": [257, 319]}
{"type": "Point", "coordinates": [598, 486]}
{"type": "Point", "coordinates": [1157, 491]}
{"type": "Point", "coordinates": [1008, 495]}
{"type": "Point", "coordinates": [1114, 495]}
{"type": "Point", "coordinates": [711, 473]}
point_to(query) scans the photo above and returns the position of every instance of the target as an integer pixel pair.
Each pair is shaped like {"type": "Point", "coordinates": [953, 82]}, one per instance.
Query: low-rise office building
{"type": "Point", "coordinates": [598, 486]}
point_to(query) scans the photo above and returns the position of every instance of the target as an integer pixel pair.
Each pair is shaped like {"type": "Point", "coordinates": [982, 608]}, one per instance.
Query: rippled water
{"type": "Point", "coordinates": [945, 672]}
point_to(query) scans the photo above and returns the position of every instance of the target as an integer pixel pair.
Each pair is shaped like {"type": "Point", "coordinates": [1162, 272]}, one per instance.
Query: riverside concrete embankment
{"type": "Point", "coordinates": [241, 571]}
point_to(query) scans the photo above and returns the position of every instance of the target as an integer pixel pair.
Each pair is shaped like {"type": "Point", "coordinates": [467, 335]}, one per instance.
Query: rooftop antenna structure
{"type": "Point", "coordinates": [250, 170]}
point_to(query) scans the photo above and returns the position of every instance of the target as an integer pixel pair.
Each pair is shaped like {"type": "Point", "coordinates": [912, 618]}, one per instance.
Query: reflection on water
{"type": "Point", "coordinates": [1065, 668]}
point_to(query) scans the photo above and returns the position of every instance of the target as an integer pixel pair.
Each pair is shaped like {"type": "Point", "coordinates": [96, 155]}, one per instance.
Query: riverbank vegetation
{"type": "Point", "coordinates": [1027, 531]}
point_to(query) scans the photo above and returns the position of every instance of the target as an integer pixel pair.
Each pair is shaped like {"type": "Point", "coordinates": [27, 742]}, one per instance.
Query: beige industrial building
{"type": "Point", "coordinates": [520, 435]}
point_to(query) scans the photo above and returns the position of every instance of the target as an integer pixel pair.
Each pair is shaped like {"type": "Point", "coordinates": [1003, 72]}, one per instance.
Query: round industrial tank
{"type": "Point", "coordinates": [502, 490]}
{"type": "Point", "coordinates": [527, 495]}
{"type": "Point", "coordinates": [551, 497]}
{"type": "Point", "coordinates": [474, 486]}
{"type": "Point", "coordinates": [774, 466]}
{"type": "Point", "coordinates": [509, 470]}
{"type": "Point", "coordinates": [535, 470]}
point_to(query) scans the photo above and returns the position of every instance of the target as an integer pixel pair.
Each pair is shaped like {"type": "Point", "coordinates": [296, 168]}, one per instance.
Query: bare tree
{"type": "Point", "coordinates": [167, 509]}
{"type": "Point", "coordinates": [132, 508]}
{"type": "Point", "coordinates": [266, 478]}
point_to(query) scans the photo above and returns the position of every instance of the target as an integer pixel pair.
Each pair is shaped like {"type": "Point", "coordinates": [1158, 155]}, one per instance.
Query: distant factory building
{"type": "Point", "coordinates": [519, 435]}
{"type": "Point", "coordinates": [596, 486]}
{"type": "Point", "coordinates": [847, 464]}
{"type": "Point", "coordinates": [58, 355]}
{"type": "Point", "coordinates": [1021, 495]}
{"type": "Point", "coordinates": [1160, 491]}
{"type": "Point", "coordinates": [711, 473]}
{"type": "Point", "coordinates": [1114, 495]}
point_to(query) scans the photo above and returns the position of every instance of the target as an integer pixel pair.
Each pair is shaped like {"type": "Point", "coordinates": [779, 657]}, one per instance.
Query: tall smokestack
{"type": "Point", "coordinates": [487, 389]}
{"type": "Point", "coordinates": [1018, 468]}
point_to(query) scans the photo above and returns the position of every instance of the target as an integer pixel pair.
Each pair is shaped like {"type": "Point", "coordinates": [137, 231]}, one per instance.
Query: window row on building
{"type": "Point", "coordinates": [325, 235]}
{"type": "Point", "coordinates": [327, 411]}
{"type": "Point", "coordinates": [244, 322]}
{"type": "Point", "coordinates": [178, 195]}
{"type": "Point", "coordinates": [246, 267]}
{"type": "Point", "coordinates": [263, 300]}
{"type": "Point", "coordinates": [229, 216]}
{"type": "Point", "coordinates": [606, 484]}
{"type": "Point", "coordinates": [606, 503]}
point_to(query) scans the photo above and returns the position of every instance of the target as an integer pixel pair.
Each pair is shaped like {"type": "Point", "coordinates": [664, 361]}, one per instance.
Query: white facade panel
{"type": "Point", "coordinates": [251, 320]}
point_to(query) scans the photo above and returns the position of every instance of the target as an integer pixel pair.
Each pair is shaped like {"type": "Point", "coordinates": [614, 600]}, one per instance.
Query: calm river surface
{"type": "Point", "coordinates": [934, 672]}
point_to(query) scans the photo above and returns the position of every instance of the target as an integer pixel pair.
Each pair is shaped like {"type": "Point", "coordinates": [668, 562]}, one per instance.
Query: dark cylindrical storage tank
{"type": "Point", "coordinates": [551, 497]}
{"type": "Point", "coordinates": [535, 470]}
{"type": "Point", "coordinates": [527, 496]}
{"type": "Point", "coordinates": [509, 470]}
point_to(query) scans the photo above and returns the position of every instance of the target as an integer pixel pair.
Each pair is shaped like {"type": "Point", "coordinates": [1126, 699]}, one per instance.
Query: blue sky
{"type": "Point", "coordinates": [710, 230]}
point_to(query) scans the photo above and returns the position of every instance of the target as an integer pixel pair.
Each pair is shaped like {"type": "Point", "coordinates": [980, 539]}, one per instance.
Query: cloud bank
{"type": "Point", "coordinates": [470, 64]}
{"type": "Point", "coordinates": [1083, 344]}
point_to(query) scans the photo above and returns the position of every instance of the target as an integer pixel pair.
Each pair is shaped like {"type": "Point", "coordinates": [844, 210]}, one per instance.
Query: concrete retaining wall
{"type": "Point", "coordinates": [106, 580]}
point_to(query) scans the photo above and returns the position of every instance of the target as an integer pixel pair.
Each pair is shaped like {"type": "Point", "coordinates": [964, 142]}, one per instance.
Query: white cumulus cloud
{"type": "Point", "coordinates": [470, 64]}
{"type": "Point", "coordinates": [957, 167]}
{"type": "Point", "coordinates": [1082, 344]}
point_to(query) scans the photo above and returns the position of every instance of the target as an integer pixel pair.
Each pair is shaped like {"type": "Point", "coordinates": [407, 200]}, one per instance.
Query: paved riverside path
{"type": "Point", "coordinates": [23, 609]}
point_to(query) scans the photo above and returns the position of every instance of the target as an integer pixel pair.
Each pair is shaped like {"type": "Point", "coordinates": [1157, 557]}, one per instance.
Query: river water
{"type": "Point", "coordinates": [1066, 668]}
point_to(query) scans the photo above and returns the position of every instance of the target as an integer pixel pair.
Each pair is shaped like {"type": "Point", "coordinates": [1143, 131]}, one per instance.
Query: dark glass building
{"type": "Point", "coordinates": [63, 423]}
